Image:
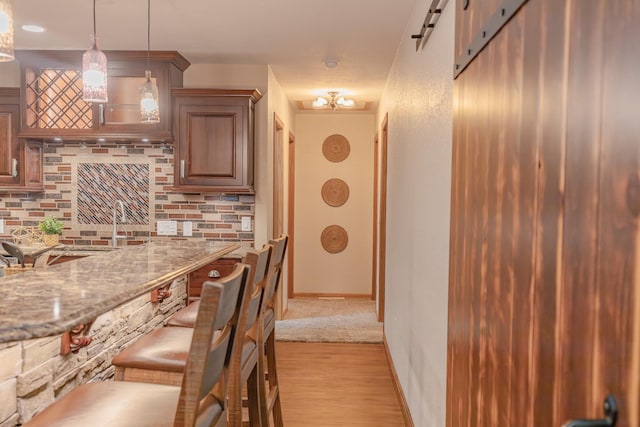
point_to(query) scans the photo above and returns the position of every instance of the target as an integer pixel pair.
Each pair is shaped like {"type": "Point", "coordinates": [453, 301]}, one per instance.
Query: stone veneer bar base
{"type": "Point", "coordinates": [33, 374]}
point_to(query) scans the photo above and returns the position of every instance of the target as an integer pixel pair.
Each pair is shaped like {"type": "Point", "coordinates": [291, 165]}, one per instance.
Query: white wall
{"type": "Point", "coordinates": [418, 98]}
{"type": "Point", "coordinates": [317, 271]}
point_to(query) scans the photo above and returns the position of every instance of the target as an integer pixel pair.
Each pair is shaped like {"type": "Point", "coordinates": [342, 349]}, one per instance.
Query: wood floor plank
{"type": "Point", "coordinates": [329, 384]}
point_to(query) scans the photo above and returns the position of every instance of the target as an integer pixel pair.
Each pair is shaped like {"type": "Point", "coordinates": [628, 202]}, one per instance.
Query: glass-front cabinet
{"type": "Point", "coordinates": [52, 104]}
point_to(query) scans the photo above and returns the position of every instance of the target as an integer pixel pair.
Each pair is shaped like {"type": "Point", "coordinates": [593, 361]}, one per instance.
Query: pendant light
{"type": "Point", "coordinates": [6, 31]}
{"type": "Point", "coordinates": [94, 69]}
{"type": "Point", "coordinates": [149, 108]}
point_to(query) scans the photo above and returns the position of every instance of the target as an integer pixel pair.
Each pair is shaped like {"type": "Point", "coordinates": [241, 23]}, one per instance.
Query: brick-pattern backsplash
{"type": "Point", "coordinates": [213, 216]}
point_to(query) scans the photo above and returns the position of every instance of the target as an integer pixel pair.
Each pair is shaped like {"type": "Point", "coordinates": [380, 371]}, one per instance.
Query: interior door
{"type": "Point", "coordinates": [544, 301]}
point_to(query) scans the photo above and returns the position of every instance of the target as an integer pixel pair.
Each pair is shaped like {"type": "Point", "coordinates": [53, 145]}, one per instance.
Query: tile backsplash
{"type": "Point", "coordinates": [82, 185]}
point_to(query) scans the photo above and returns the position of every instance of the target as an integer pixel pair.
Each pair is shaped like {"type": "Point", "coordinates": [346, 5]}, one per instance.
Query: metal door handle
{"type": "Point", "coordinates": [181, 168]}
{"type": "Point", "coordinates": [14, 167]}
{"type": "Point", "coordinates": [101, 113]}
{"type": "Point", "coordinates": [610, 413]}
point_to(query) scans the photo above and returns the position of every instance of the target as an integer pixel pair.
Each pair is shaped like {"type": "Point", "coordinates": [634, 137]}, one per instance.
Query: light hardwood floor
{"type": "Point", "coordinates": [326, 384]}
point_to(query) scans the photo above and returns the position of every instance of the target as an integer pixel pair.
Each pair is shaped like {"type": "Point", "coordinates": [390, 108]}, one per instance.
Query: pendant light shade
{"type": "Point", "coordinates": [149, 107]}
{"type": "Point", "coordinates": [6, 31]}
{"type": "Point", "coordinates": [94, 69]}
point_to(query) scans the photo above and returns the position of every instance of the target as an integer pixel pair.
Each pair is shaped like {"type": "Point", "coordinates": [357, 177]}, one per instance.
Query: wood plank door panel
{"type": "Point", "coordinates": [618, 344]}
{"type": "Point", "coordinates": [544, 303]}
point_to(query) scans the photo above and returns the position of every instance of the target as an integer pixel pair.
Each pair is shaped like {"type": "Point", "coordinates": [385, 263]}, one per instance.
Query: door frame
{"type": "Point", "coordinates": [277, 224]}
{"type": "Point", "coordinates": [382, 236]}
{"type": "Point", "coordinates": [374, 255]}
{"type": "Point", "coordinates": [291, 213]}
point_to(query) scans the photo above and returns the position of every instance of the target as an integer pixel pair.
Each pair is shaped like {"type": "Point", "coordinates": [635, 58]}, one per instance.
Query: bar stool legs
{"type": "Point", "coordinates": [269, 392]}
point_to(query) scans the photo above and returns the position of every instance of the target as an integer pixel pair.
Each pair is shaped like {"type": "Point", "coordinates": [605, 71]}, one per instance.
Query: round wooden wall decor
{"type": "Point", "coordinates": [334, 239]}
{"type": "Point", "coordinates": [336, 148]}
{"type": "Point", "coordinates": [335, 192]}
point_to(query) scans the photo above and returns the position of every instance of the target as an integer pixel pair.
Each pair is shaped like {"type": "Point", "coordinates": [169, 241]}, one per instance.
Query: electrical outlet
{"type": "Point", "coordinates": [187, 228]}
{"type": "Point", "coordinates": [1, 226]}
{"type": "Point", "coordinates": [246, 223]}
{"type": "Point", "coordinates": [167, 228]}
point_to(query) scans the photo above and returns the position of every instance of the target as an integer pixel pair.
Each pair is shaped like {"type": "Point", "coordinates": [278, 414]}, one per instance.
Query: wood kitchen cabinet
{"type": "Point", "coordinates": [52, 104]}
{"type": "Point", "coordinates": [214, 147]}
{"type": "Point", "coordinates": [216, 269]}
{"type": "Point", "coordinates": [20, 160]}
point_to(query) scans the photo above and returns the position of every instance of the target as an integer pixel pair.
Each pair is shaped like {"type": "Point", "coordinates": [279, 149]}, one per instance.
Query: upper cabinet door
{"type": "Point", "coordinates": [10, 159]}
{"type": "Point", "coordinates": [215, 140]}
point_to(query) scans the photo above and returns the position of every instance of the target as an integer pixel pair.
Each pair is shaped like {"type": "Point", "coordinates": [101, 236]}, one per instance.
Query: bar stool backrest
{"type": "Point", "coordinates": [259, 261]}
{"type": "Point", "coordinates": [209, 355]}
{"type": "Point", "coordinates": [275, 272]}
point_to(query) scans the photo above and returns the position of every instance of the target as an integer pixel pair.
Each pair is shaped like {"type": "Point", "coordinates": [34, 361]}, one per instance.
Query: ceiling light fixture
{"type": "Point", "coordinates": [331, 63]}
{"type": "Point", "coordinates": [32, 28]}
{"type": "Point", "coordinates": [6, 31]}
{"type": "Point", "coordinates": [149, 108]}
{"type": "Point", "coordinates": [94, 69]}
{"type": "Point", "coordinates": [336, 101]}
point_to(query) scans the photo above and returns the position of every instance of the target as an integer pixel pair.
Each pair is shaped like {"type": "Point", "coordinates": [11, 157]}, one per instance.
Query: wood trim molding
{"type": "Point", "coordinates": [402, 401]}
{"type": "Point", "coordinates": [382, 219]}
{"type": "Point", "coordinates": [333, 295]}
{"type": "Point", "coordinates": [374, 256]}
{"type": "Point", "coordinates": [291, 193]}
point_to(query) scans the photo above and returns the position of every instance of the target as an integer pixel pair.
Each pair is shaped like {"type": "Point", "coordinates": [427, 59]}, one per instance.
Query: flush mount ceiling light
{"type": "Point", "coordinates": [94, 69]}
{"type": "Point", "coordinates": [149, 108]}
{"type": "Point", "coordinates": [6, 31]}
{"type": "Point", "coordinates": [32, 28]}
{"type": "Point", "coordinates": [331, 63]}
{"type": "Point", "coordinates": [335, 101]}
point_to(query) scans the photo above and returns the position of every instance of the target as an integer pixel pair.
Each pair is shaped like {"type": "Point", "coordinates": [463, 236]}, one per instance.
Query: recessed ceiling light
{"type": "Point", "coordinates": [331, 63]}
{"type": "Point", "coordinates": [33, 28]}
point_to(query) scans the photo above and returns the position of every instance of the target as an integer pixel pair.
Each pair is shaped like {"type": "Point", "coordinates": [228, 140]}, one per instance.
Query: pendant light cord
{"type": "Point", "coordinates": [94, 20]}
{"type": "Point", "coordinates": [148, 31]}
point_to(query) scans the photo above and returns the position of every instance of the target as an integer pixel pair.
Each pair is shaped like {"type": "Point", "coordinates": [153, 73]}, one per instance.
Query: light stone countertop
{"type": "Point", "coordinates": [53, 300]}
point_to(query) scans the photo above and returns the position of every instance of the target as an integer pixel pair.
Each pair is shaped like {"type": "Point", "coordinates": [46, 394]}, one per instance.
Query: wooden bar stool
{"type": "Point", "coordinates": [201, 398]}
{"type": "Point", "coordinates": [159, 356]}
{"type": "Point", "coordinates": [264, 333]}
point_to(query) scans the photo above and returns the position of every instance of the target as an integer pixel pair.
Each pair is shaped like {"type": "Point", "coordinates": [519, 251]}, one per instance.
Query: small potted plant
{"type": "Point", "coordinates": [52, 229]}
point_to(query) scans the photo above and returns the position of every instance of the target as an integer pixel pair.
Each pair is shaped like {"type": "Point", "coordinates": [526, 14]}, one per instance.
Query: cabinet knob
{"type": "Point", "coordinates": [214, 274]}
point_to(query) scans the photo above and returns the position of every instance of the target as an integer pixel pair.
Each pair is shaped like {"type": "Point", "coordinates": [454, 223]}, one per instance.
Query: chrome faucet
{"type": "Point", "coordinates": [123, 218]}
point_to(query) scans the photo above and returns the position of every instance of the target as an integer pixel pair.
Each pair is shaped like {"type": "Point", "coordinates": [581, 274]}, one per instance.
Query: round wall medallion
{"type": "Point", "coordinates": [334, 239]}
{"type": "Point", "coordinates": [335, 192]}
{"type": "Point", "coordinates": [336, 148]}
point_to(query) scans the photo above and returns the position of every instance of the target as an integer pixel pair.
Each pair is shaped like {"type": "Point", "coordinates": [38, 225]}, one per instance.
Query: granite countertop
{"type": "Point", "coordinates": [53, 300]}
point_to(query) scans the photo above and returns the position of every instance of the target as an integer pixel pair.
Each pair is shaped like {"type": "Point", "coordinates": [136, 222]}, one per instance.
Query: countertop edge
{"type": "Point", "coordinates": [61, 325]}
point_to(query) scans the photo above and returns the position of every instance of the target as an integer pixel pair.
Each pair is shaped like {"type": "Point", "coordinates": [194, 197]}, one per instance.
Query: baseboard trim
{"type": "Point", "coordinates": [319, 295]}
{"type": "Point", "coordinates": [406, 414]}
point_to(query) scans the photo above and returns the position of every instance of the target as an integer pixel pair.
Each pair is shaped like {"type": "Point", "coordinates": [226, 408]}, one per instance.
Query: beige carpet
{"type": "Point", "coordinates": [330, 320]}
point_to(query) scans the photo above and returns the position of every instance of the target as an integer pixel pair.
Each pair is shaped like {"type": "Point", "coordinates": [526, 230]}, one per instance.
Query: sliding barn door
{"type": "Point", "coordinates": [544, 309]}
